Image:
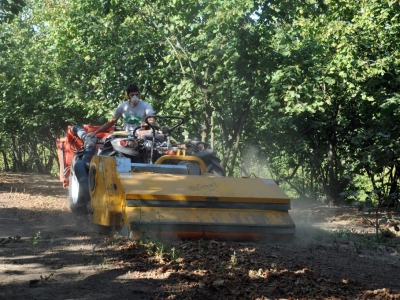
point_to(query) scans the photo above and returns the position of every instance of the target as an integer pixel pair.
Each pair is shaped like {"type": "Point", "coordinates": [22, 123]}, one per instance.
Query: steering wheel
{"type": "Point", "coordinates": [135, 129]}
{"type": "Point", "coordinates": [165, 130]}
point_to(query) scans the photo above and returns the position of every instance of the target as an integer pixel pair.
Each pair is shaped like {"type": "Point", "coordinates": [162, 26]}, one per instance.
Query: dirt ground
{"type": "Point", "coordinates": [46, 252]}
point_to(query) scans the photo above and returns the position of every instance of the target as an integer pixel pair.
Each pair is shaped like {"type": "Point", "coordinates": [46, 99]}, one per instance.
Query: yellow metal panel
{"type": "Point", "coordinates": [113, 189]}
{"type": "Point", "coordinates": [198, 188]}
{"type": "Point", "coordinates": [108, 195]}
{"type": "Point", "coordinates": [183, 158]}
{"type": "Point", "coordinates": [164, 216]}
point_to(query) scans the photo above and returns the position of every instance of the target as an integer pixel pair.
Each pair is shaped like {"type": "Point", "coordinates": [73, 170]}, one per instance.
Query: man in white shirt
{"type": "Point", "coordinates": [133, 111]}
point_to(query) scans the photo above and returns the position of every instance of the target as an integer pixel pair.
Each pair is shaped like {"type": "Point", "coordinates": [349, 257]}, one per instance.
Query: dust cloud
{"type": "Point", "coordinates": [308, 216]}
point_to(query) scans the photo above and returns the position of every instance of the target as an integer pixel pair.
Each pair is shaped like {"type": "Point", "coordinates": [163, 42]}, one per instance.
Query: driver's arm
{"type": "Point", "coordinates": [103, 127]}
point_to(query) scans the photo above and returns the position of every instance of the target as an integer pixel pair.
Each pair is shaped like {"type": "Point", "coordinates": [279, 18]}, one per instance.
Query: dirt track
{"type": "Point", "coordinates": [48, 253]}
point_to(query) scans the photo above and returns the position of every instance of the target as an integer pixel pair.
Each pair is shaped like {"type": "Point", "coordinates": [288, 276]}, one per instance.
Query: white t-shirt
{"type": "Point", "coordinates": [133, 116]}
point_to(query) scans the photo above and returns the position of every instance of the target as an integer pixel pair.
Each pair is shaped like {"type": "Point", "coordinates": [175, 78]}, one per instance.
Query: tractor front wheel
{"type": "Point", "coordinates": [76, 201]}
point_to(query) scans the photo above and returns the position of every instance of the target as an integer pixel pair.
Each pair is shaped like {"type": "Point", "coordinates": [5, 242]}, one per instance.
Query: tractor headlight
{"type": "Point", "coordinates": [128, 143]}
{"type": "Point", "coordinates": [131, 144]}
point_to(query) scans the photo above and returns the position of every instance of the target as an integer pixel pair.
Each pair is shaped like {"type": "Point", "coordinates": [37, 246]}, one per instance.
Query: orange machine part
{"type": "Point", "coordinates": [67, 147]}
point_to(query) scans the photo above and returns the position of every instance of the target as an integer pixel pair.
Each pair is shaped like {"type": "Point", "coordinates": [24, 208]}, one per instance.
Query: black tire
{"type": "Point", "coordinates": [212, 162]}
{"type": "Point", "coordinates": [215, 170]}
{"type": "Point", "coordinates": [193, 168]}
{"type": "Point", "coordinates": [76, 200]}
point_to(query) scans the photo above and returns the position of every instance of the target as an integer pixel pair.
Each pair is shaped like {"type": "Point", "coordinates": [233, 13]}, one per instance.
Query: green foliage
{"type": "Point", "coordinates": [306, 92]}
{"type": "Point", "coordinates": [35, 241]}
{"type": "Point", "coordinates": [330, 85]}
{"type": "Point", "coordinates": [9, 9]}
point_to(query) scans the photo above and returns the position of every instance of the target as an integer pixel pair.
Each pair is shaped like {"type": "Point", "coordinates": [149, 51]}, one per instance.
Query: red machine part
{"type": "Point", "coordinates": [67, 147]}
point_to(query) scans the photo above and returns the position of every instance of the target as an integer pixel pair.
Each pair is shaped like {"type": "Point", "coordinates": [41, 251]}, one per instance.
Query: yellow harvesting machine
{"type": "Point", "coordinates": [144, 185]}
{"type": "Point", "coordinates": [166, 201]}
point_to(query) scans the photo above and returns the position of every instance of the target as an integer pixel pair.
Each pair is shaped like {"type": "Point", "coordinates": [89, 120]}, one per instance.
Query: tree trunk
{"type": "Point", "coordinates": [239, 131]}
{"type": "Point", "coordinates": [6, 165]}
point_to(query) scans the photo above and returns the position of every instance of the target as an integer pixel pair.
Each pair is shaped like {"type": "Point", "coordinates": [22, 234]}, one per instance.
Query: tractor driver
{"type": "Point", "coordinates": [134, 111]}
